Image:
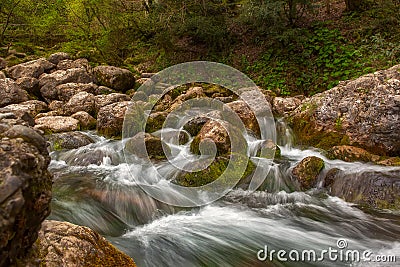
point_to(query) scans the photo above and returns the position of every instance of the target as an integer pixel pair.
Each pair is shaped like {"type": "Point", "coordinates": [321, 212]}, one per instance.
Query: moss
{"type": "Point", "coordinates": [57, 145]}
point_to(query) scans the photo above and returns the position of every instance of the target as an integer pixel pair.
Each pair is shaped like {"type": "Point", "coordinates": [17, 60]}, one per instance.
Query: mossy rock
{"type": "Point", "coordinates": [307, 171]}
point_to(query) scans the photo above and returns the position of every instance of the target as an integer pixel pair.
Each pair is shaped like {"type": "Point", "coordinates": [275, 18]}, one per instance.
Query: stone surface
{"type": "Point", "coordinates": [246, 115]}
{"type": "Point", "coordinates": [68, 90]}
{"type": "Point", "coordinates": [32, 107]}
{"type": "Point", "coordinates": [57, 57]}
{"type": "Point", "coordinates": [11, 93]}
{"type": "Point", "coordinates": [350, 154]}
{"type": "Point", "coordinates": [154, 146]}
{"type": "Point", "coordinates": [57, 124]}
{"type": "Point", "coordinates": [282, 106]}
{"type": "Point", "coordinates": [307, 171]}
{"type": "Point", "coordinates": [110, 119]}
{"type": "Point", "coordinates": [71, 64]}
{"type": "Point", "coordinates": [30, 69]}
{"type": "Point", "coordinates": [86, 121]}
{"type": "Point", "coordinates": [69, 245]}
{"type": "Point", "coordinates": [374, 189]}
{"type": "Point", "coordinates": [364, 112]}
{"type": "Point", "coordinates": [48, 82]}
{"type": "Point", "coordinates": [25, 190]}
{"type": "Point", "coordinates": [115, 78]}
{"type": "Point", "coordinates": [104, 100]}
{"type": "Point", "coordinates": [29, 84]}
{"type": "Point", "coordinates": [70, 140]}
{"type": "Point", "coordinates": [82, 101]}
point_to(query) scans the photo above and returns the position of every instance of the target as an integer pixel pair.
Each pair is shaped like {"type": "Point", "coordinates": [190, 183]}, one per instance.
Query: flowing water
{"type": "Point", "coordinates": [94, 187]}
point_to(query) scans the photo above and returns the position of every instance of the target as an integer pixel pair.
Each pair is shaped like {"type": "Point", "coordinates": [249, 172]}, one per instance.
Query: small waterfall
{"type": "Point", "coordinates": [284, 134]}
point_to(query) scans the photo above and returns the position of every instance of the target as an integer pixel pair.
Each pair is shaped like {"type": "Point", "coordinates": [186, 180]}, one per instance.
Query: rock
{"type": "Point", "coordinates": [11, 93]}
{"type": "Point", "coordinates": [283, 106]}
{"type": "Point", "coordinates": [70, 140]}
{"type": "Point", "coordinates": [364, 112]}
{"type": "Point", "coordinates": [193, 92]}
{"type": "Point", "coordinates": [68, 90]}
{"type": "Point", "coordinates": [48, 82]}
{"type": "Point", "coordinates": [155, 121]}
{"type": "Point", "coordinates": [2, 75]}
{"type": "Point", "coordinates": [246, 115]}
{"type": "Point", "coordinates": [110, 119]}
{"type": "Point", "coordinates": [216, 132]}
{"type": "Point", "coordinates": [351, 154]}
{"type": "Point", "coordinates": [25, 191]}
{"type": "Point", "coordinates": [16, 117]}
{"type": "Point", "coordinates": [57, 106]}
{"type": "Point", "coordinates": [71, 64]}
{"type": "Point", "coordinates": [29, 84]}
{"type": "Point", "coordinates": [194, 126]}
{"type": "Point", "coordinates": [104, 100]}
{"type": "Point", "coordinates": [3, 63]}
{"type": "Point", "coordinates": [57, 124]}
{"type": "Point", "coordinates": [48, 114]}
{"type": "Point", "coordinates": [153, 144]}
{"type": "Point", "coordinates": [57, 57]}
{"type": "Point", "coordinates": [32, 107]}
{"type": "Point", "coordinates": [32, 69]}
{"type": "Point", "coordinates": [374, 189]}
{"type": "Point", "coordinates": [86, 121]}
{"type": "Point", "coordinates": [393, 161]}
{"type": "Point", "coordinates": [270, 150]}
{"type": "Point", "coordinates": [147, 75]}
{"type": "Point", "coordinates": [104, 90]}
{"type": "Point", "coordinates": [66, 244]}
{"type": "Point", "coordinates": [307, 171]}
{"type": "Point", "coordinates": [82, 101]}
{"type": "Point", "coordinates": [115, 78]}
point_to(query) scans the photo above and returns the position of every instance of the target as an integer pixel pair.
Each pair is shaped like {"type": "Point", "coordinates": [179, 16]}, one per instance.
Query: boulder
{"type": "Point", "coordinates": [57, 57]}
{"type": "Point", "coordinates": [66, 244]}
{"type": "Point", "coordinates": [2, 75]}
{"type": "Point", "coordinates": [25, 191]}
{"type": "Point", "coordinates": [153, 144]}
{"type": "Point", "coordinates": [49, 82]}
{"type": "Point", "coordinates": [194, 126]}
{"type": "Point", "coordinates": [373, 189]}
{"type": "Point", "coordinates": [71, 64]}
{"type": "Point", "coordinates": [57, 106]}
{"type": "Point", "coordinates": [82, 101]}
{"type": "Point", "coordinates": [104, 100]}
{"type": "Point", "coordinates": [33, 69]}
{"type": "Point", "coordinates": [57, 124]}
{"type": "Point", "coordinates": [29, 84]}
{"type": "Point", "coordinates": [246, 115]}
{"type": "Point", "coordinates": [68, 90]}
{"type": "Point", "coordinates": [363, 112]}
{"type": "Point", "coordinates": [283, 106]}
{"type": "Point", "coordinates": [116, 78]}
{"type": "Point", "coordinates": [351, 154]}
{"type": "Point", "coordinates": [3, 63]}
{"type": "Point", "coordinates": [86, 121]}
{"type": "Point", "coordinates": [69, 140]}
{"type": "Point", "coordinates": [110, 119]}
{"type": "Point", "coordinates": [32, 107]}
{"type": "Point", "coordinates": [10, 117]}
{"type": "Point", "coordinates": [307, 171]}
{"type": "Point", "coordinates": [11, 93]}
{"type": "Point", "coordinates": [193, 92]}
{"type": "Point", "coordinates": [155, 121]}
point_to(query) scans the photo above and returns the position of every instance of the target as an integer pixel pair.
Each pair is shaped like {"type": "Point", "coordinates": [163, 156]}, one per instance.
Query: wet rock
{"type": "Point", "coordinates": [363, 112]}
{"type": "Point", "coordinates": [307, 171]}
{"type": "Point", "coordinates": [48, 82]}
{"type": "Point", "coordinates": [246, 115]}
{"type": "Point", "coordinates": [155, 121]}
{"type": "Point", "coordinates": [86, 121]}
{"type": "Point", "coordinates": [32, 107]}
{"type": "Point", "coordinates": [115, 78]}
{"type": "Point", "coordinates": [153, 145]}
{"type": "Point", "coordinates": [270, 150]}
{"type": "Point", "coordinates": [11, 93]}
{"type": "Point", "coordinates": [194, 126]}
{"type": "Point", "coordinates": [57, 57]}
{"type": "Point", "coordinates": [212, 131]}
{"type": "Point", "coordinates": [374, 189]}
{"type": "Point", "coordinates": [110, 119]}
{"type": "Point", "coordinates": [25, 191]}
{"type": "Point", "coordinates": [193, 92]}
{"type": "Point", "coordinates": [392, 161]}
{"type": "Point", "coordinates": [82, 101]}
{"type": "Point", "coordinates": [282, 106]}
{"type": "Point", "coordinates": [29, 84]}
{"type": "Point", "coordinates": [68, 90]}
{"type": "Point", "coordinates": [351, 154]}
{"type": "Point", "coordinates": [70, 140]}
{"type": "Point", "coordinates": [57, 124]}
{"type": "Point", "coordinates": [85, 247]}
{"type": "Point", "coordinates": [32, 69]}
{"type": "Point", "coordinates": [104, 100]}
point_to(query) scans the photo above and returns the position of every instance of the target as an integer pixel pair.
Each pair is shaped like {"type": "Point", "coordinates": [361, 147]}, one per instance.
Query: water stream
{"type": "Point", "coordinates": [93, 186]}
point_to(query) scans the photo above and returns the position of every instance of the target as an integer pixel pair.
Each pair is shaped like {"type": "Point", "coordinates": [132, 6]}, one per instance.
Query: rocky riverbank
{"type": "Point", "coordinates": [46, 102]}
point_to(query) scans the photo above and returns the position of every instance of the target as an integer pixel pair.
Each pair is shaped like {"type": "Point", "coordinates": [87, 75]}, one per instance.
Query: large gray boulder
{"type": "Point", "coordinates": [25, 189]}
{"type": "Point", "coordinates": [33, 69]}
{"type": "Point", "coordinates": [116, 78]}
{"type": "Point", "coordinates": [11, 93]}
{"type": "Point", "coordinates": [364, 112]}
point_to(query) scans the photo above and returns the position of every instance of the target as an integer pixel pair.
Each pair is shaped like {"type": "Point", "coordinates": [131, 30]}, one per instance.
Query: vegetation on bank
{"type": "Point", "coordinates": [287, 46]}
